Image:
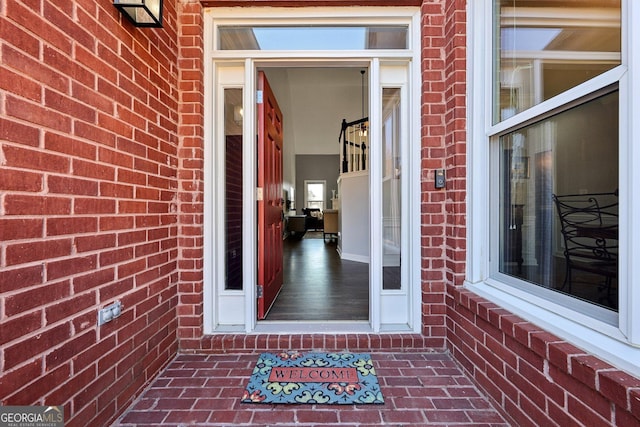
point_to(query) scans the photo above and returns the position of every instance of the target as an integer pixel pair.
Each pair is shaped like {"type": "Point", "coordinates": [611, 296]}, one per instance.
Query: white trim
{"type": "Point", "coordinates": [354, 257]}
{"type": "Point", "coordinates": [250, 60]}
{"type": "Point", "coordinates": [478, 63]}
{"type": "Point", "coordinates": [208, 321]}
{"type": "Point", "coordinates": [249, 205]}
{"type": "Point", "coordinates": [614, 341]}
{"type": "Point", "coordinates": [630, 181]}
{"type": "Point", "coordinates": [375, 195]}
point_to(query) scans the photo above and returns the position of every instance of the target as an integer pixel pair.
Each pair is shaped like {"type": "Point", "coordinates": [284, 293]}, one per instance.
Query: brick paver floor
{"type": "Point", "coordinates": [420, 389]}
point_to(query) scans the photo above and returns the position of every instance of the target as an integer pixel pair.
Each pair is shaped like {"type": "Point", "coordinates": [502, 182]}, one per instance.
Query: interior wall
{"type": "Point", "coordinates": [313, 102]}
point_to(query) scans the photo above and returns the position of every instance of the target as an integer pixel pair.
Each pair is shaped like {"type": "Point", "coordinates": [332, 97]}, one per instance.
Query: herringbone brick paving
{"type": "Point", "coordinates": [420, 389]}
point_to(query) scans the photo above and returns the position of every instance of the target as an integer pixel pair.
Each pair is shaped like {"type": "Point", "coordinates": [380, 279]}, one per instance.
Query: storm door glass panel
{"type": "Point", "coordinates": [546, 48]}
{"type": "Point", "coordinates": [233, 115]}
{"type": "Point", "coordinates": [559, 202]}
{"type": "Point", "coordinates": [312, 37]}
{"type": "Point", "coordinates": [391, 190]}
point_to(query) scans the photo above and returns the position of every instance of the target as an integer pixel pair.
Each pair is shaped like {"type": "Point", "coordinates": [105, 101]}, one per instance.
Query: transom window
{"type": "Point", "coordinates": [312, 37]}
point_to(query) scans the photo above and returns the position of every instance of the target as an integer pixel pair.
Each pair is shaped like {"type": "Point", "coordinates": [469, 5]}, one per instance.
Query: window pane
{"type": "Point", "coordinates": [312, 37]}
{"type": "Point", "coordinates": [559, 202]}
{"type": "Point", "coordinates": [547, 49]}
{"type": "Point", "coordinates": [233, 188]}
{"type": "Point", "coordinates": [314, 194]}
{"type": "Point", "coordinates": [391, 190]}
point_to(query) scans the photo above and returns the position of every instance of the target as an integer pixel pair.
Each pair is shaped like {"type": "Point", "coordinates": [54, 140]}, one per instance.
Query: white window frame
{"type": "Point", "coordinates": [616, 339]}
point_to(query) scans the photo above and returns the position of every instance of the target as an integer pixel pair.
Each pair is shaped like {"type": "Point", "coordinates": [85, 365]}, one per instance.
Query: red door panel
{"type": "Point", "coordinates": [270, 141]}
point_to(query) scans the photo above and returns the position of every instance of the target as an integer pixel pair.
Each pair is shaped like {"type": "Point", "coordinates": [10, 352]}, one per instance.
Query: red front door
{"type": "Point", "coordinates": [270, 201]}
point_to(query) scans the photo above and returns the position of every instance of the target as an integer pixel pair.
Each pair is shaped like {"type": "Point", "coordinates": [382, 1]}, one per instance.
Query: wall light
{"type": "Point", "coordinates": [143, 13]}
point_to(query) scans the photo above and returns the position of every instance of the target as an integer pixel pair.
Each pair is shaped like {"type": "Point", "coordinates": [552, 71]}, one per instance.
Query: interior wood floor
{"type": "Point", "coordinates": [318, 285]}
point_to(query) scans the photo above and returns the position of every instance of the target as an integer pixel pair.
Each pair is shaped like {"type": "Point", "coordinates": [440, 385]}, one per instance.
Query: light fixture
{"type": "Point", "coordinates": [237, 114]}
{"type": "Point", "coordinates": [363, 125]}
{"type": "Point", "coordinates": [143, 13]}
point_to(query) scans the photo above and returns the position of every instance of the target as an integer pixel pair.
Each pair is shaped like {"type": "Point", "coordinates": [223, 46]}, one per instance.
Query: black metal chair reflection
{"type": "Point", "coordinates": [589, 226]}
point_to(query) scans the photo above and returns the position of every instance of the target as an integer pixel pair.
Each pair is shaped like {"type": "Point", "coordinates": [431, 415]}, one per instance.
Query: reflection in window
{"type": "Point", "coordinates": [233, 188]}
{"type": "Point", "coordinates": [312, 37]}
{"type": "Point", "coordinates": [546, 50]}
{"type": "Point", "coordinates": [559, 201]}
{"type": "Point", "coordinates": [391, 190]}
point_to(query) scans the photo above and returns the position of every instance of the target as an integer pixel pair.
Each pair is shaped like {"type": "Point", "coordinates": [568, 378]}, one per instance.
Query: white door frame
{"type": "Point", "coordinates": [226, 311]}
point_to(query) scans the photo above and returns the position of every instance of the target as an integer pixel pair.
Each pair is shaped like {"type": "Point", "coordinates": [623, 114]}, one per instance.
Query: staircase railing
{"type": "Point", "coordinates": [354, 138]}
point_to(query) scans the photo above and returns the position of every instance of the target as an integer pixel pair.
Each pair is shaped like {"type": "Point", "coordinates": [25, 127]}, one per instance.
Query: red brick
{"type": "Point", "coordinates": [34, 345]}
{"type": "Point", "coordinates": [96, 242]}
{"type": "Point", "coordinates": [72, 186]}
{"type": "Point", "coordinates": [97, 171]}
{"type": "Point", "coordinates": [41, 386]}
{"type": "Point", "coordinates": [36, 297]}
{"type": "Point", "coordinates": [68, 307]}
{"type": "Point", "coordinates": [93, 280]}
{"type": "Point", "coordinates": [615, 385]}
{"type": "Point", "coordinates": [16, 229]}
{"type": "Point", "coordinates": [634, 402]}
{"type": "Point", "coordinates": [20, 204]}
{"type": "Point", "coordinates": [70, 266]}
{"type": "Point", "coordinates": [69, 146]}
{"type": "Point", "coordinates": [19, 157]}
{"type": "Point", "coordinates": [16, 327]}
{"type": "Point", "coordinates": [45, 117]}
{"type": "Point", "coordinates": [71, 225]}
{"type": "Point", "coordinates": [19, 180]}
{"type": "Point", "coordinates": [65, 352]}
{"type": "Point", "coordinates": [26, 67]}
{"type": "Point", "coordinates": [13, 380]}
{"type": "Point", "coordinates": [13, 131]}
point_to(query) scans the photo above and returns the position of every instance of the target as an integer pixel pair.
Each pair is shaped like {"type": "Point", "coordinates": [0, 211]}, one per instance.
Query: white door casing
{"type": "Point", "coordinates": [235, 310]}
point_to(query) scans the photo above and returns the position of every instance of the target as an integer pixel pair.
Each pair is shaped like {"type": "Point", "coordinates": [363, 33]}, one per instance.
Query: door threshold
{"type": "Point", "coordinates": [292, 327]}
{"type": "Point", "coordinates": [312, 327]}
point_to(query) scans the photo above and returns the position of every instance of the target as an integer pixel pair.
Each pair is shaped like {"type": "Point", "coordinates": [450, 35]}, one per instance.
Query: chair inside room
{"type": "Point", "coordinates": [589, 227]}
{"type": "Point", "coordinates": [330, 227]}
{"type": "Point", "coordinates": [314, 219]}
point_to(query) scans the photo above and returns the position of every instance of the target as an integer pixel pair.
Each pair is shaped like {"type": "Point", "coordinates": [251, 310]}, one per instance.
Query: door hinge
{"type": "Point", "coordinates": [260, 291]}
{"type": "Point", "coordinates": [259, 97]}
{"type": "Point", "coordinates": [259, 195]}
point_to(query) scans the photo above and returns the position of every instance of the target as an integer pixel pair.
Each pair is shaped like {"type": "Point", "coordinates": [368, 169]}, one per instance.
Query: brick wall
{"type": "Point", "coordinates": [101, 198]}
{"type": "Point", "coordinates": [191, 174]}
{"type": "Point", "coordinates": [88, 204]}
{"type": "Point", "coordinates": [535, 377]}
{"type": "Point", "coordinates": [435, 202]}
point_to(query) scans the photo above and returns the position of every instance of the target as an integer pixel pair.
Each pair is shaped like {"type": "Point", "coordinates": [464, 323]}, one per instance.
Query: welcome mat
{"type": "Point", "coordinates": [325, 378]}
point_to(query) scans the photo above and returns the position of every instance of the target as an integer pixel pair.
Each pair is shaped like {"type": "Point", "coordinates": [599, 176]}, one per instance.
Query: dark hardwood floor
{"type": "Point", "coordinates": [318, 285]}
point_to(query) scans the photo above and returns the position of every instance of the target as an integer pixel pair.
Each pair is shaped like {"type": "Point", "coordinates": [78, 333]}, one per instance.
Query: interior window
{"type": "Point", "coordinates": [314, 194]}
